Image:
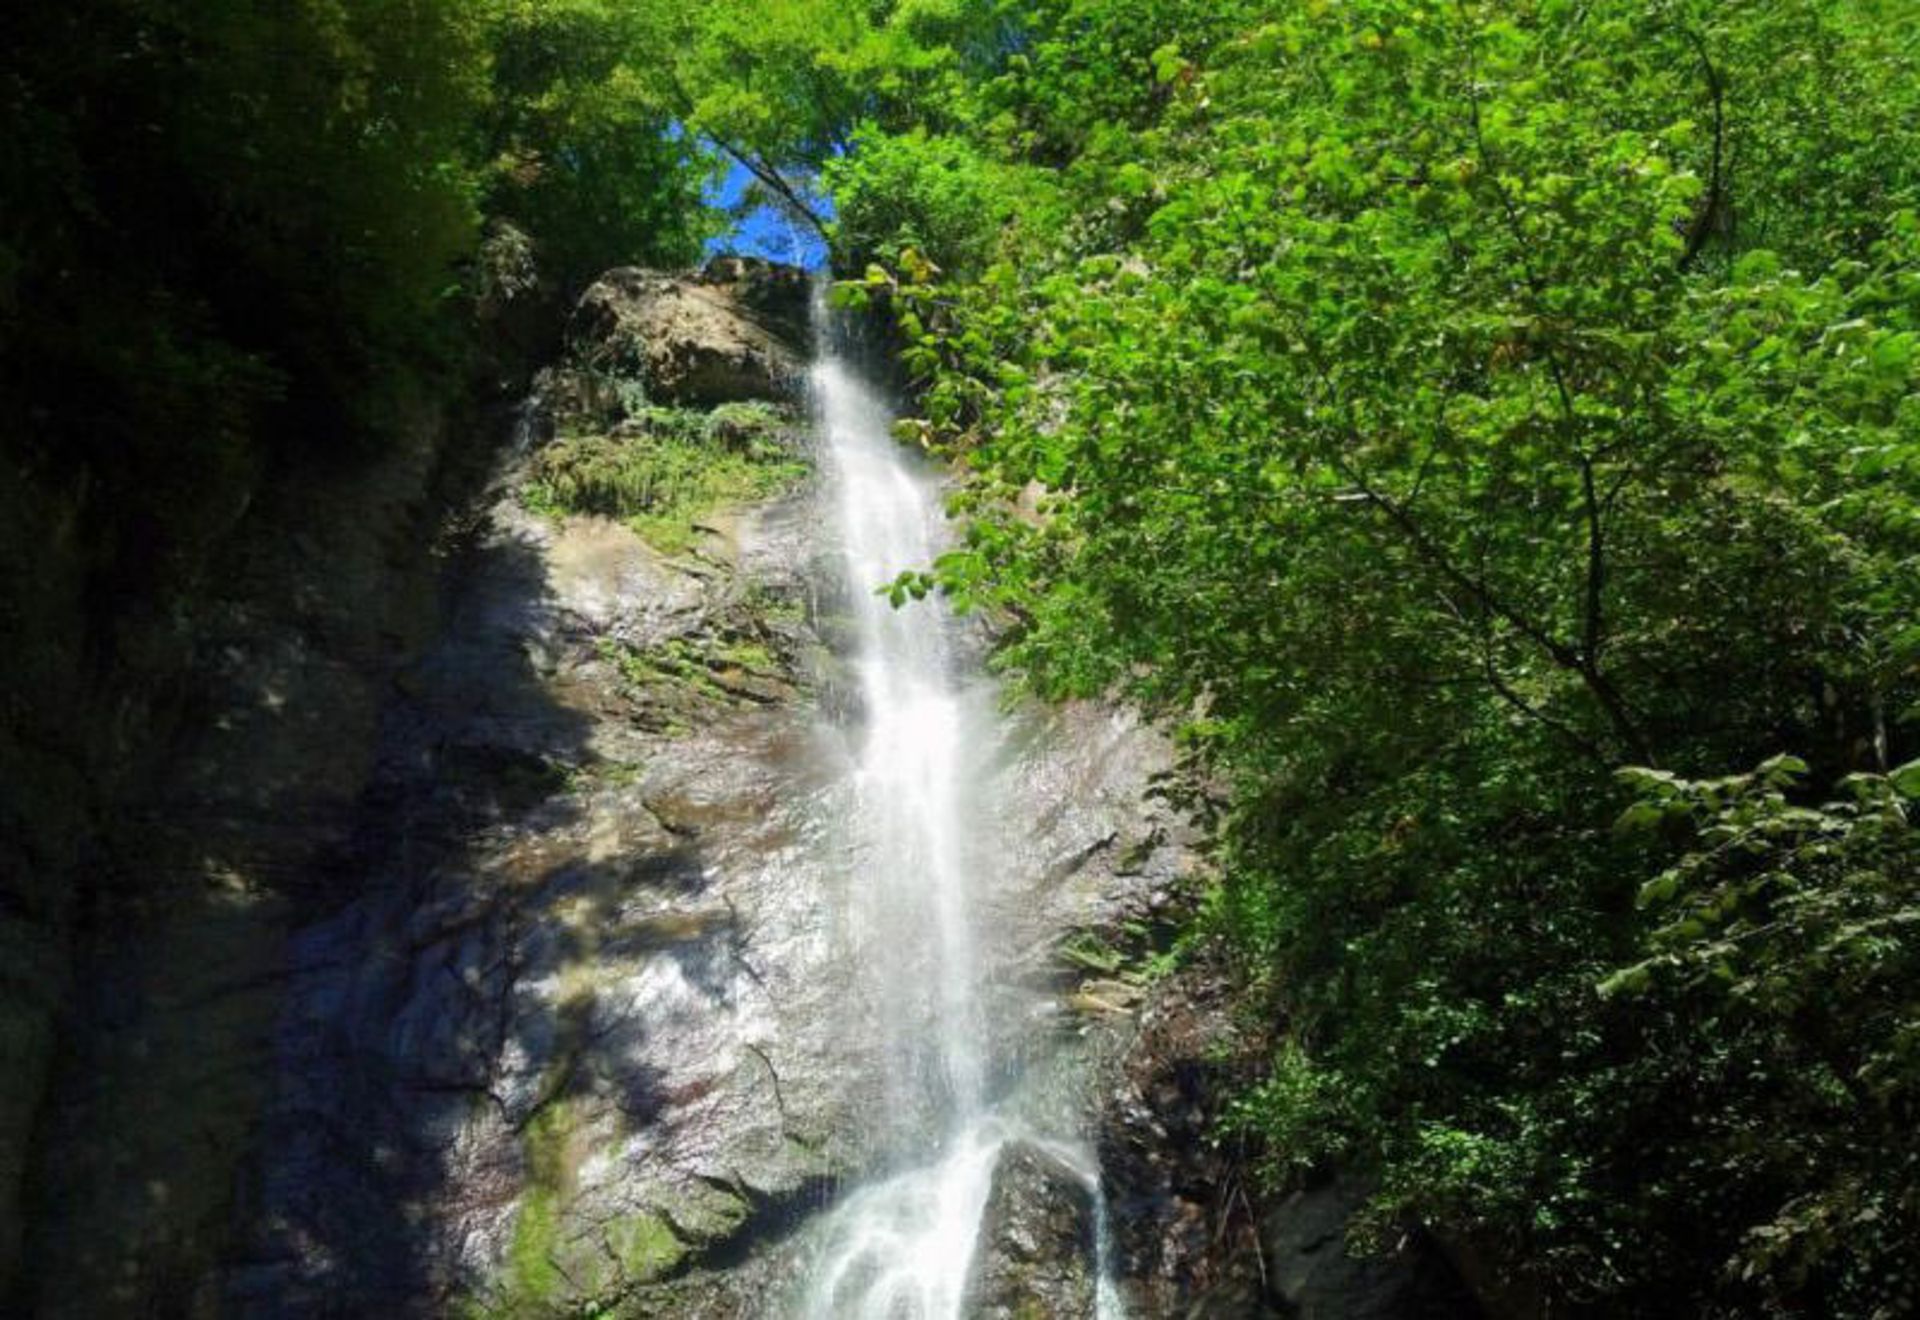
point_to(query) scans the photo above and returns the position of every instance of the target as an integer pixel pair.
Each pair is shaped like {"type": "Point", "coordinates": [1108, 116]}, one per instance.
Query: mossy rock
{"type": "Point", "coordinates": [646, 1247]}
{"type": "Point", "coordinates": [745, 426]}
{"type": "Point", "coordinates": [674, 684]}
{"type": "Point", "coordinates": [708, 1214]}
{"type": "Point", "coordinates": [664, 470]}
{"type": "Point", "coordinates": [568, 1258]}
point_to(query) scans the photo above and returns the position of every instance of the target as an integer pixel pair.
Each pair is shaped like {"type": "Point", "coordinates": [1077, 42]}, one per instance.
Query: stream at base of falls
{"type": "Point", "coordinates": [920, 848]}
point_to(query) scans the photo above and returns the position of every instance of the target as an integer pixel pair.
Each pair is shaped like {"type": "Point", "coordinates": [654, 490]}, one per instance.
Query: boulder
{"type": "Point", "coordinates": [778, 296]}
{"type": "Point", "coordinates": [1037, 1250]}
{"type": "Point", "coordinates": [1311, 1272]}
{"type": "Point", "coordinates": [692, 340]}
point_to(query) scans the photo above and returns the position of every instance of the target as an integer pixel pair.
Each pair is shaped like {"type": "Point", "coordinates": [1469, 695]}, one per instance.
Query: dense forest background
{"type": "Point", "coordinates": [1489, 431]}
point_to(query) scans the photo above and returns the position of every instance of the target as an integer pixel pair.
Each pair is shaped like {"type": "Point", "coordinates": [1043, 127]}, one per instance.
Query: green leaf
{"type": "Point", "coordinates": [1641, 817]}
{"type": "Point", "coordinates": [1782, 771]}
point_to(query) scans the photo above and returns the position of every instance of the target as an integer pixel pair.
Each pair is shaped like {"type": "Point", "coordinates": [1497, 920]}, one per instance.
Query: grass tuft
{"type": "Point", "coordinates": [664, 469]}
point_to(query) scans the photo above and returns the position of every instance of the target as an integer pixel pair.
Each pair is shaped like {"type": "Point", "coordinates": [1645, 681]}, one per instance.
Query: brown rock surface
{"type": "Point", "coordinates": [700, 341]}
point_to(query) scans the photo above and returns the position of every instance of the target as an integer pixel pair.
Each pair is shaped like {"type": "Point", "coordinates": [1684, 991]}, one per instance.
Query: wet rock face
{"type": "Point", "coordinates": [585, 1035]}
{"type": "Point", "coordinates": [724, 337]}
{"type": "Point", "coordinates": [1175, 1197]}
{"type": "Point", "coordinates": [573, 1037]}
{"type": "Point", "coordinates": [1194, 1232]}
{"type": "Point", "coordinates": [1037, 1254]}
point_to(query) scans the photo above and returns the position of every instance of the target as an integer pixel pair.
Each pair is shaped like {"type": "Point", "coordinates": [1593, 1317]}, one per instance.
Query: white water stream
{"type": "Point", "coordinates": [901, 1246]}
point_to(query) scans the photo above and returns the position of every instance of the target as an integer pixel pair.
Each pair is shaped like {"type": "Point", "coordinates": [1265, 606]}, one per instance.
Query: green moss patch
{"type": "Point", "coordinates": [646, 1247]}
{"type": "Point", "coordinates": [533, 1277]}
{"type": "Point", "coordinates": [663, 469]}
{"type": "Point", "coordinates": [672, 683]}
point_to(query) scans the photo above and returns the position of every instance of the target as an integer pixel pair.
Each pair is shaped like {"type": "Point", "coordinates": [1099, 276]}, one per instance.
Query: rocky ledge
{"type": "Point", "coordinates": [735, 331]}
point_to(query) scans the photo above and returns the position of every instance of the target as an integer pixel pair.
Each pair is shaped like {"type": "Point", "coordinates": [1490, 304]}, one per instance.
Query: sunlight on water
{"type": "Point", "coordinates": [901, 1246]}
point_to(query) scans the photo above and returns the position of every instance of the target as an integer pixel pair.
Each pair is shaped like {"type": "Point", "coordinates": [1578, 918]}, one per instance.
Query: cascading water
{"type": "Point", "coordinates": [902, 1246]}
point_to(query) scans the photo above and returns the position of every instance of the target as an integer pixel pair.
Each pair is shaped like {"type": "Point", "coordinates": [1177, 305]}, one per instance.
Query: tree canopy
{"type": "Point", "coordinates": [1436, 410]}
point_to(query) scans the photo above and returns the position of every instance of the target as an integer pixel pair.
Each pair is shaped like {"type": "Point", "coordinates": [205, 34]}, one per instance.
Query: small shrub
{"type": "Point", "coordinates": [663, 469]}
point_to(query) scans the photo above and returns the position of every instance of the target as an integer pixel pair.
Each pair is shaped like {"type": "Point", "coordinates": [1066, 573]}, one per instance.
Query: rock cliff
{"type": "Point", "coordinates": [468, 947]}
{"type": "Point", "coordinates": [471, 946]}
{"type": "Point", "coordinates": [187, 801]}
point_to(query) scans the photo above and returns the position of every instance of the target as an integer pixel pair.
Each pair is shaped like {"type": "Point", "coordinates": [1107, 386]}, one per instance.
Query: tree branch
{"type": "Point", "coordinates": [1711, 210]}
{"type": "Point", "coordinates": [771, 177]}
{"type": "Point", "coordinates": [748, 160]}
{"type": "Point", "coordinates": [1584, 661]}
{"type": "Point", "coordinates": [1512, 697]}
{"type": "Point", "coordinates": [1593, 626]}
{"type": "Point", "coordinates": [1481, 592]}
{"type": "Point", "coordinates": [1563, 654]}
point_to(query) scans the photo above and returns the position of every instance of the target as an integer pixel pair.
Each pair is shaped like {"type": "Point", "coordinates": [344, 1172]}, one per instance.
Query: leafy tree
{"type": "Point", "coordinates": [1431, 409]}
{"type": "Point", "coordinates": [924, 193]}
{"type": "Point", "coordinates": [1784, 935]}
{"type": "Point", "coordinates": [587, 153]}
{"type": "Point", "coordinates": [223, 212]}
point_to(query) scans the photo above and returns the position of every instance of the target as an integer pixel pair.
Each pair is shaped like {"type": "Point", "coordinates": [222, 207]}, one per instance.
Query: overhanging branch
{"type": "Point", "coordinates": [772, 179]}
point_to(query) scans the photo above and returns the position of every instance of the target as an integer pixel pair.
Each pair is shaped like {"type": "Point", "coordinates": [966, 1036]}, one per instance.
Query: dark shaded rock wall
{"type": "Point", "coordinates": [182, 752]}
{"type": "Point", "coordinates": [1196, 1233]}
{"type": "Point", "coordinates": [1038, 1255]}
{"type": "Point", "coordinates": [246, 817]}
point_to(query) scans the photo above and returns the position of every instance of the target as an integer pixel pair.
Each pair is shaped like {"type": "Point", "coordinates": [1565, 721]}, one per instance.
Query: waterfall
{"type": "Point", "coordinates": [902, 1245]}
{"type": "Point", "coordinates": [912, 798]}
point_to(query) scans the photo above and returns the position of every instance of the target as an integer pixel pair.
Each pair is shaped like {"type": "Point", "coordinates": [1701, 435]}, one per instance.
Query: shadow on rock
{"type": "Point", "coordinates": [569, 1042]}
{"type": "Point", "coordinates": [1195, 1235]}
{"type": "Point", "coordinates": [404, 999]}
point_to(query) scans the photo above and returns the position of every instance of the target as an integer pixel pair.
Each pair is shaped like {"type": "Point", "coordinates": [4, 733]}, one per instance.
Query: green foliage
{"type": "Point", "coordinates": [665, 468]}
{"type": "Point", "coordinates": [218, 216]}
{"type": "Point", "coordinates": [778, 86]}
{"type": "Point", "coordinates": [936, 195]}
{"type": "Point", "coordinates": [678, 661]}
{"type": "Point", "coordinates": [1783, 939]}
{"type": "Point", "coordinates": [1431, 409]}
{"type": "Point", "coordinates": [773, 80]}
{"type": "Point", "coordinates": [1089, 953]}
{"type": "Point", "coordinates": [585, 155]}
